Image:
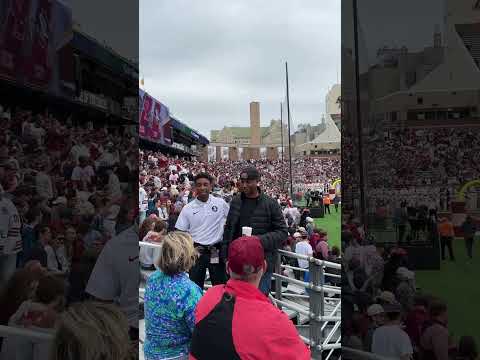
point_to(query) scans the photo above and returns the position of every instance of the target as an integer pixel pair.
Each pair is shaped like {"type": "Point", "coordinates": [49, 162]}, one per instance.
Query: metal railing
{"type": "Point", "coordinates": [321, 338]}
{"type": "Point", "coordinates": [34, 337]}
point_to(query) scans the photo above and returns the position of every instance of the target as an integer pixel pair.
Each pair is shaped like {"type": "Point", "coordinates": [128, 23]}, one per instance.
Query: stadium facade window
{"type": "Point", "coordinates": [430, 115]}
{"type": "Point", "coordinates": [393, 116]}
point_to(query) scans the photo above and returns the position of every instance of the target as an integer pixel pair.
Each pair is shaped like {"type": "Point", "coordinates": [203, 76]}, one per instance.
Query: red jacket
{"type": "Point", "coordinates": [259, 329]}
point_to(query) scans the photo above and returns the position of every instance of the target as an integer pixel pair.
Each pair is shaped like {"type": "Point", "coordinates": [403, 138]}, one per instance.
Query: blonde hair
{"type": "Point", "coordinates": [177, 253]}
{"type": "Point", "coordinates": [92, 331]}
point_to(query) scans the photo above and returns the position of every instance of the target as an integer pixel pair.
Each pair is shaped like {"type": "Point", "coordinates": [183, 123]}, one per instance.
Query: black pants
{"type": "Point", "coordinates": [446, 241]}
{"type": "Point", "coordinates": [469, 246]}
{"type": "Point", "coordinates": [308, 202]}
{"type": "Point", "coordinates": [198, 271]}
{"type": "Point", "coordinates": [336, 207]}
{"type": "Point", "coordinates": [134, 333]}
{"type": "Point", "coordinates": [327, 208]}
{"type": "Point", "coordinates": [401, 232]}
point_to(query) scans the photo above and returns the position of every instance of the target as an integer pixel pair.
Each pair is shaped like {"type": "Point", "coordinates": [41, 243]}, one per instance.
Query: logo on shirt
{"type": "Point", "coordinates": [132, 258]}
{"type": "Point", "coordinates": [214, 208]}
{"type": "Point", "coordinates": [196, 213]}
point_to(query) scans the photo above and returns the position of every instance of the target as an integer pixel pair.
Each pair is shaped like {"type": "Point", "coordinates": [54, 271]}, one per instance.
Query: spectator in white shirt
{"type": "Point", "coordinates": [82, 174]}
{"type": "Point", "coordinates": [142, 203]}
{"type": "Point", "coordinates": [303, 247]}
{"type": "Point", "coordinates": [57, 260]}
{"type": "Point", "coordinates": [78, 150]}
{"type": "Point", "coordinates": [204, 219]}
{"type": "Point", "coordinates": [10, 240]}
{"type": "Point", "coordinates": [113, 189]}
{"type": "Point", "coordinates": [43, 183]}
{"type": "Point", "coordinates": [173, 177]}
{"type": "Point", "coordinates": [163, 210]}
{"type": "Point", "coordinates": [390, 340]}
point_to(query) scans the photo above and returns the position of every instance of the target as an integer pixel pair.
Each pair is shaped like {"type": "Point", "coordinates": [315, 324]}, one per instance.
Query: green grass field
{"type": "Point", "coordinates": [331, 223]}
{"type": "Point", "coordinates": [456, 283]}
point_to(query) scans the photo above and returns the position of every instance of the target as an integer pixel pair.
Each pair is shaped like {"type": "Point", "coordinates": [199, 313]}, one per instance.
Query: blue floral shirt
{"type": "Point", "coordinates": [170, 303]}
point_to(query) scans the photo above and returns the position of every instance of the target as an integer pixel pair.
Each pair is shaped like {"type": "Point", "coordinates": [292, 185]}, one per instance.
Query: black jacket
{"type": "Point", "coordinates": [267, 223]}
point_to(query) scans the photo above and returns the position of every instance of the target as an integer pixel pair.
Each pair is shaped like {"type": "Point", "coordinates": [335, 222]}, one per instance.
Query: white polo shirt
{"type": "Point", "coordinates": [142, 199]}
{"type": "Point", "coordinates": [115, 275]}
{"type": "Point", "coordinates": [204, 221]}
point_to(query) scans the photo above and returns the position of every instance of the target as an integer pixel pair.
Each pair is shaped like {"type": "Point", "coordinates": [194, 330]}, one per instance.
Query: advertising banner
{"type": "Point", "coordinates": [34, 38]}
{"type": "Point", "coordinates": [154, 121]}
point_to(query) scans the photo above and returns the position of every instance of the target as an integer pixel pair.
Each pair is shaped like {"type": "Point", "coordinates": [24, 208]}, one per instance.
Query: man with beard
{"type": "Point", "coordinates": [253, 208]}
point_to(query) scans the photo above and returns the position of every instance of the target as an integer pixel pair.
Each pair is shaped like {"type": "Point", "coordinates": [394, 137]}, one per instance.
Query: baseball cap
{"type": "Point", "coordinates": [61, 200]}
{"type": "Point", "coordinates": [386, 296]}
{"type": "Point", "coordinates": [245, 255]}
{"type": "Point", "coordinates": [250, 173]}
{"type": "Point", "coordinates": [404, 273]}
{"type": "Point", "coordinates": [309, 220]}
{"type": "Point", "coordinates": [375, 309]}
{"type": "Point", "coordinates": [297, 235]}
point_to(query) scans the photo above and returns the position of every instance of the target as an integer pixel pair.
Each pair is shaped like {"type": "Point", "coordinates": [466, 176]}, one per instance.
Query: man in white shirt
{"type": "Point", "coordinates": [82, 174]}
{"type": "Point", "coordinates": [390, 340]}
{"type": "Point", "coordinates": [43, 183]}
{"type": "Point", "coordinates": [303, 247]}
{"type": "Point", "coordinates": [204, 219]}
{"type": "Point", "coordinates": [115, 277]}
{"type": "Point", "coordinates": [113, 188]}
{"type": "Point", "coordinates": [10, 238]}
{"type": "Point", "coordinates": [79, 149]}
{"type": "Point", "coordinates": [173, 177]}
{"type": "Point", "coordinates": [142, 203]}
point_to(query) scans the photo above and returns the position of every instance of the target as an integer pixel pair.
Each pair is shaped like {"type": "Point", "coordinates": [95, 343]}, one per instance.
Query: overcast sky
{"type": "Point", "coordinates": [393, 23]}
{"type": "Point", "coordinates": [110, 21]}
{"type": "Point", "coordinates": [206, 60]}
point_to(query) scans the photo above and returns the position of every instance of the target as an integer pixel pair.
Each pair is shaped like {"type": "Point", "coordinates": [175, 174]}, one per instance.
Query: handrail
{"type": "Point", "coordinates": [151, 245]}
{"type": "Point", "coordinates": [311, 259]}
{"type": "Point", "coordinates": [362, 355]}
{"type": "Point", "coordinates": [319, 320]}
{"type": "Point", "coordinates": [36, 335]}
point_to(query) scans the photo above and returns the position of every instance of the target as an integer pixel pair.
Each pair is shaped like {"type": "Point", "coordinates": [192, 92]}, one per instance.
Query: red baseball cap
{"type": "Point", "coordinates": [245, 255]}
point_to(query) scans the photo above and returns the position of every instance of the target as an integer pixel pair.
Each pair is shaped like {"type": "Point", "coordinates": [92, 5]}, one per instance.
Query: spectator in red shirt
{"type": "Point", "coordinates": [223, 319]}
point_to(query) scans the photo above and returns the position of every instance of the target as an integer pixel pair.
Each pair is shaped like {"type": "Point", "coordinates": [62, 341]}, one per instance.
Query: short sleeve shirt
{"type": "Point", "coordinates": [204, 221]}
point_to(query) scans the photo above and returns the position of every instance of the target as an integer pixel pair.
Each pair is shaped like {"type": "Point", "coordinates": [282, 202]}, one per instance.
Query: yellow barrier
{"type": "Point", "coordinates": [335, 183]}
{"type": "Point", "coordinates": [465, 187]}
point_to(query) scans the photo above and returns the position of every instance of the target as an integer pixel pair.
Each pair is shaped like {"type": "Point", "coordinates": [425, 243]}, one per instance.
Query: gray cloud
{"type": "Point", "coordinates": [208, 60]}
{"type": "Point", "coordinates": [113, 22]}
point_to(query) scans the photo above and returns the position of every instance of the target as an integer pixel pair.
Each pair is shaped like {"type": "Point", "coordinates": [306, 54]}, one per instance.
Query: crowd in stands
{"type": "Point", "coordinates": [410, 157]}
{"type": "Point", "coordinates": [65, 193]}
{"type": "Point", "coordinates": [384, 312]}
{"type": "Point", "coordinates": [173, 193]}
{"type": "Point", "coordinates": [310, 171]}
